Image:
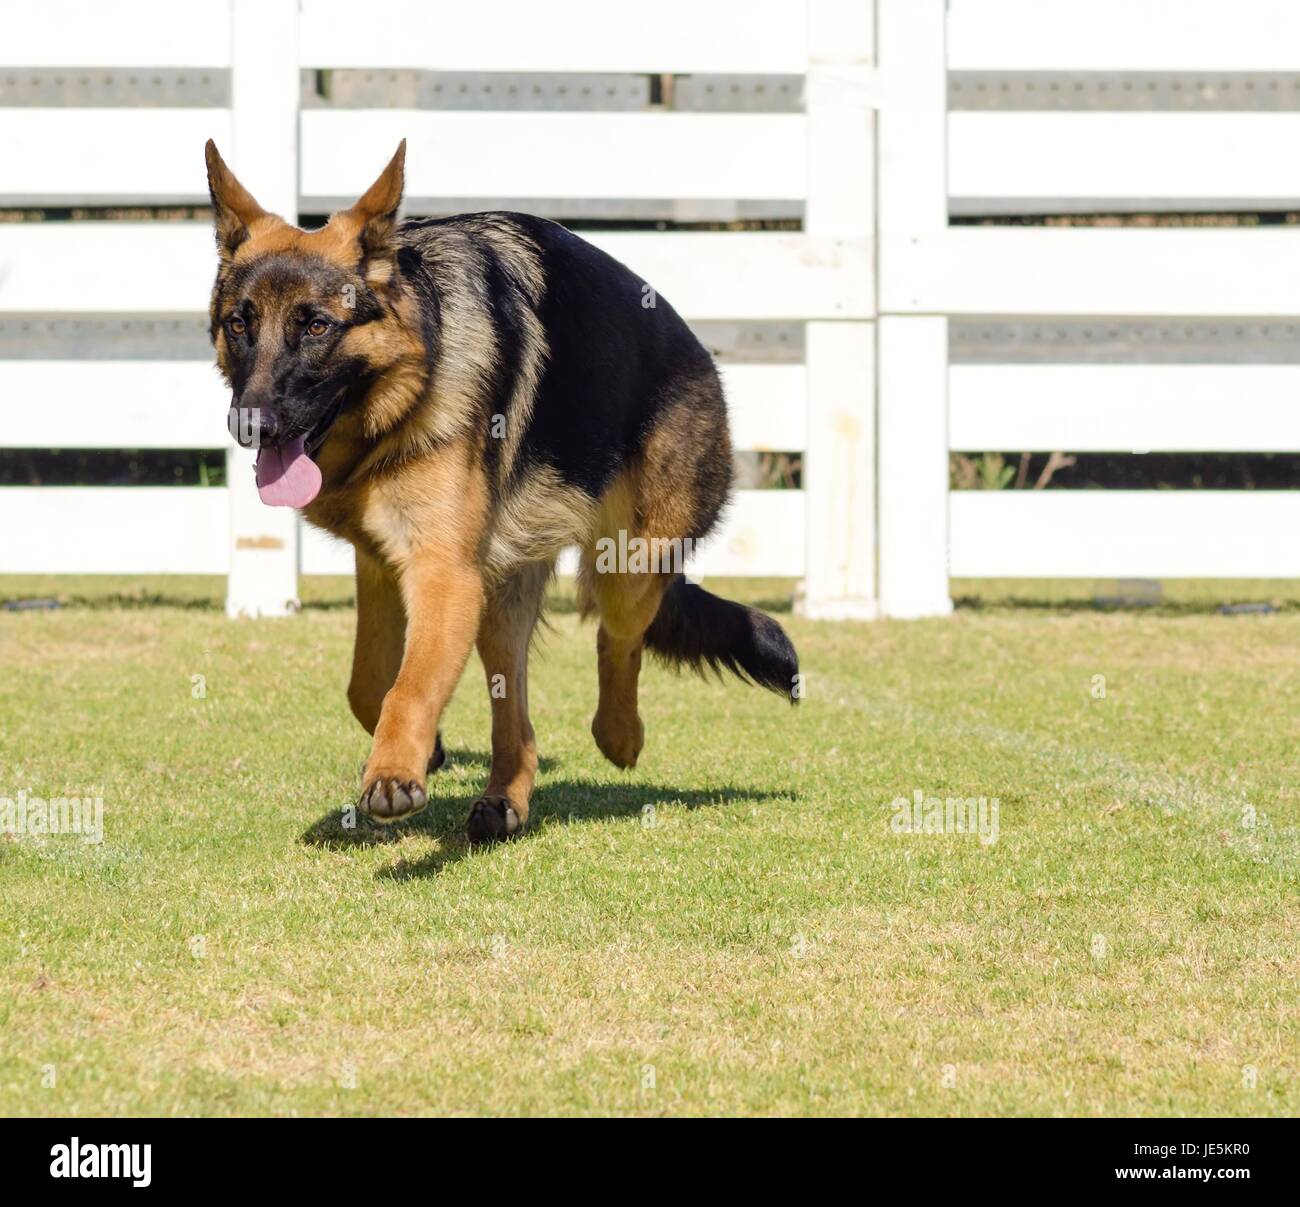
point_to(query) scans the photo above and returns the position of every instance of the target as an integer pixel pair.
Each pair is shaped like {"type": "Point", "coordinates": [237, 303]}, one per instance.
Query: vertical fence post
{"type": "Point", "coordinates": [839, 463]}
{"type": "Point", "coordinates": [912, 145]}
{"type": "Point", "coordinates": [263, 579]}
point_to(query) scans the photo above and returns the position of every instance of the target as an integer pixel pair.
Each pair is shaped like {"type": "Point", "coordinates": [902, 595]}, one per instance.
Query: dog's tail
{"type": "Point", "coordinates": [696, 629]}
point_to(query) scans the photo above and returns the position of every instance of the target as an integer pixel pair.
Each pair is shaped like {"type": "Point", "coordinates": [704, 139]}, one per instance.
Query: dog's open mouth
{"type": "Point", "coordinates": [287, 476]}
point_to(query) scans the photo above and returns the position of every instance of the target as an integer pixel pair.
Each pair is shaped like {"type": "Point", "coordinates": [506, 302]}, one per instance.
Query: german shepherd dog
{"type": "Point", "coordinates": [460, 398]}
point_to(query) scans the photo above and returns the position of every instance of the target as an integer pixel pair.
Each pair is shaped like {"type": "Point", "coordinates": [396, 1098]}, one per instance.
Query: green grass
{"type": "Point", "coordinates": [733, 927]}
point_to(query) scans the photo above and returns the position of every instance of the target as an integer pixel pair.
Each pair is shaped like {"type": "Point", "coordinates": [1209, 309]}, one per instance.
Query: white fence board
{"type": "Point", "coordinates": [113, 267]}
{"type": "Point", "coordinates": [751, 275]}
{"type": "Point", "coordinates": [112, 404]}
{"type": "Point", "coordinates": [124, 33]}
{"type": "Point", "coordinates": [1123, 35]}
{"type": "Point", "coordinates": [114, 530]}
{"type": "Point", "coordinates": [762, 36]}
{"type": "Point", "coordinates": [1125, 408]}
{"type": "Point", "coordinates": [1125, 534]}
{"type": "Point", "coordinates": [153, 155]}
{"type": "Point", "coordinates": [1130, 271]}
{"type": "Point", "coordinates": [182, 404]}
{"type": "Point", "coordinates": [767, 406]}
{"type": "Point", "coordinates": [321, 553]}
{"type": "Point", "coordinates": [1109, 155]}
{"type": "Point", "coordinates": [539, 154]}
{"type": "Point", "coordinates": [169, 266]}
{"type": "Point", "coordinates": [761, 533]}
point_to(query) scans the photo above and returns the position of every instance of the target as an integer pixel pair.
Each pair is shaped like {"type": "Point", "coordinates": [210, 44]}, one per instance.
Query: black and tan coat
{"type": "Point", "coordinates": [477, 393]}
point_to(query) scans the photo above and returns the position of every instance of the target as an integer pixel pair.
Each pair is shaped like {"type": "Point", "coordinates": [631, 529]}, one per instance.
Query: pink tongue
{"type": "Point", "coordinates": [287, 477]}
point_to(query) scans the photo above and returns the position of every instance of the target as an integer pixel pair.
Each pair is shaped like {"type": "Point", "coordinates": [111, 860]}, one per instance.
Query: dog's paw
{"type": "Point", "coordinates": [439, 755]}
{"type": "Point", "coordinates": [492, 819]}
{"type": "Point", "coordinates": [390, 798]}
{"type": "Point", "coordinates": [620, 741]}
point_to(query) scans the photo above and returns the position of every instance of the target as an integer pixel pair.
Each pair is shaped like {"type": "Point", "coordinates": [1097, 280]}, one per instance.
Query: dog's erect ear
{"type": "Point", "coordinates": [373, 218]}
{"type": "Point", "coordinates": [234, 208]}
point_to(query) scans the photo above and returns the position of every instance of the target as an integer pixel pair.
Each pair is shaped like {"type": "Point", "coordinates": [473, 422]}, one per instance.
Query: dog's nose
{"type": "Point", "coordinates": [252, 424]}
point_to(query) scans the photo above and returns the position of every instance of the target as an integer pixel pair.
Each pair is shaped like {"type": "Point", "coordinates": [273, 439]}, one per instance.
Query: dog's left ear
{"type": "Point", "coordinates": [373, 219]}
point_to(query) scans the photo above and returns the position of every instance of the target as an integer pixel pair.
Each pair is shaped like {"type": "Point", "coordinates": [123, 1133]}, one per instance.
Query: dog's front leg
{"type": "Point", "coordinates": [443, 602]}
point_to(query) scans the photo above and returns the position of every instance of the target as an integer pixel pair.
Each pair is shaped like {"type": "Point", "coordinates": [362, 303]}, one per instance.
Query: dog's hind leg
{"type": "Point", "coordinates": [626, 598]}
{"type": "Point", "coordinates": [627, 605]}
{"type": "Point", "coordinates": [651, 517]}
{"type": "Point", "coordinates": [377, 652]}
{"type": "Point", "coordinates": [505, 632]}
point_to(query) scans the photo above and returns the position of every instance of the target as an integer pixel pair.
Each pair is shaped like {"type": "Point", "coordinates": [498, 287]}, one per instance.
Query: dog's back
{"type": "Point", "coordinates": [582, 366]}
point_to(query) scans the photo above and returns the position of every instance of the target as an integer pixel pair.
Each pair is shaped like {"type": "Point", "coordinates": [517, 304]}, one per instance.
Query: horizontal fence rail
{"type": "Point", "coordinates": [167, 267]}
{"type": "Point", "coordinates": [1031, 271]}
{"type": "Point", "coordinates": [1161, 157]}
{"type": "Point", "coordinates": [1122, 35]}
{"type": "Point", "coordinates": [1125, 408]}
{"type": "Point", "coordinates": [1125, 534]}
{"type": "Point", "coordinates": [743, 36]}
{"type": "Point", "coordinates": [186, 530]}
{"type": "Point", "coordinates": [132, 33]}
{"type": "Point", "coordinates": [537, 154]}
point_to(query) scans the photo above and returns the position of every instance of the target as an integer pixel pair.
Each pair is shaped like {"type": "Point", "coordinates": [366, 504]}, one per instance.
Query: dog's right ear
{"type": "Point", "coordinates": [234, 208]}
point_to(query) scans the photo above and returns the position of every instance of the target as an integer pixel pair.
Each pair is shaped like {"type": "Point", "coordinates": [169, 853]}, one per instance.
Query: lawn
{"type": "Point", "coordinates": [736, 926]}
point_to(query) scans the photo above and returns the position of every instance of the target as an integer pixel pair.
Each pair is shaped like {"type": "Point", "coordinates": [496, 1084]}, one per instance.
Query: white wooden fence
{"type": "Point", "coordinates": [931, 272]}
{"type": "Point", "coordinates": [874, 276]}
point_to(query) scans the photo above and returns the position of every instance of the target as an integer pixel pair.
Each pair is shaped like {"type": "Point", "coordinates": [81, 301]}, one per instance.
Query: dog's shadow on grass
{"type": "Point", "coordinates": [555, 801]}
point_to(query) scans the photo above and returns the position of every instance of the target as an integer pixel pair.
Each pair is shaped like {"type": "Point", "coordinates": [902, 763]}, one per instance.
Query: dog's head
{"type": "Point", "coordinates": [291, 315]}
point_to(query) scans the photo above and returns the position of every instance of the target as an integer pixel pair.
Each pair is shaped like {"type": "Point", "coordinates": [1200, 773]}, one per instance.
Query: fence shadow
{"type": "Point", "coordinates": [556, 802]}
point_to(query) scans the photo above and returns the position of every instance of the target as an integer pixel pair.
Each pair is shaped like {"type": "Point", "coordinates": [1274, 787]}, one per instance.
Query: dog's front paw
{"type": "Point", "coordinates": [492, 819]}
{"type": "Point", "coordinates": [389, 798]}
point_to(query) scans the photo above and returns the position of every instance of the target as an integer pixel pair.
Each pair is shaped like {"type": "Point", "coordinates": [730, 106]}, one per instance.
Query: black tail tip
{"type": "Point", "coordinates": [772, 661]}
{"type": "Point", "coordinates": [697, 629]}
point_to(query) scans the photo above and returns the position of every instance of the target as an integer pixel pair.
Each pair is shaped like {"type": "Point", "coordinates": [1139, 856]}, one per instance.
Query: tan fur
{"type": "Point", "coordinates": [444, 601]}
{"type": "Point", "coordinates": [503, 640]}
{"type": "Point", "coordinates": [626, 604]}
{"type": "Point", "coordinates": [381, 638]}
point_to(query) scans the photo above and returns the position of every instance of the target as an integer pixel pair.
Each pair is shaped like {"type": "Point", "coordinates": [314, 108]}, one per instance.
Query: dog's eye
{"type": "Point", "coordinates": [317, 327]}
{"type": "Point", "coordinates": [236, 326]}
